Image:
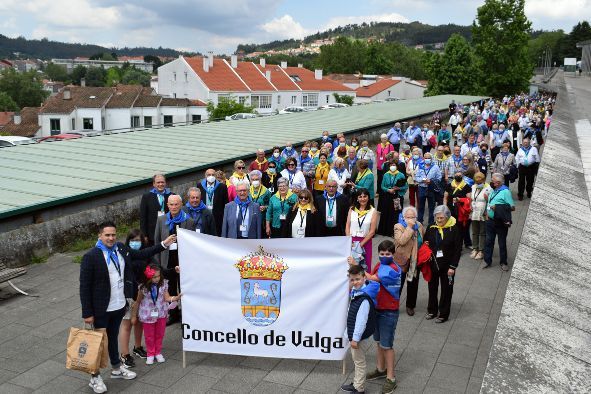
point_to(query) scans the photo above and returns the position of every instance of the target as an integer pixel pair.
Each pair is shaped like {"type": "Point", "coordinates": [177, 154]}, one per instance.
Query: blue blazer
{"type": "Point", "coordinates": [230, 225]}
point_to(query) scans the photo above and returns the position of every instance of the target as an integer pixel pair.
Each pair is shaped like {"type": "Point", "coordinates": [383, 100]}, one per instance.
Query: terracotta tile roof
{"type": "Point", "coordinates": [376, 87]}
{"type": "Point", "coordinates": [220, 78]}
{"type": "Point", "coordinates": [254, 78]}
{"type": "Point", "coordinates": [80, 97]}
{"type": "Point", "coordinates": [145, 100]}
{"type": "Point", "coordinates": [175, 102]}
{"type": "Point", "coordinates": [198, 103]}
{"type": "Point", "coordinates": [29, 125]}
{"type": "Point", "coordinates": [124, 98]}
{"type": "Point", "coordinates": [423, 82]}
{"type": "Point", "coordinates": [279, 78]}
{"type": "Point", "coordinates": [5, 117]}
{"type": "Point", "coordinates": [344, 78]}
{"type": "Point", "coordinates": [309, 82]}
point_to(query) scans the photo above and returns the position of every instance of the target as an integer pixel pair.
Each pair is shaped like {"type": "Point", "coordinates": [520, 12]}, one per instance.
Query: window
{"type": "Point", "coordinates": [242, 100]}
{"type": "Point", "coordinates": [278, 99]}
{"type": "Point", "coordinates": [135, 121]}
{"type": "Point", "coordinates": [167, 120]}
{"type": "Point", "coordinates": [295, 78]}
{"type": "Point", "coordinates": [148, 122]}
{"type": "Point", "coordinates": [87, 123]}
{"type": "Point", "coordinates": [186, 77]}
{"type": "Point", "coordinates": [327, 98]}
{"type": "Point", "coordinates": [310, 100]}
{"type": "Point", "coordinates": [389, 91]}
{"type": "Point", "coordinates": [294, 100]}
{"type": "Point", "coordinates": [196, 118]}
{"type": "Point", "coordinates": [261, 101]}
{"type": "Point", "coordinates": [55, 126]}
{"type": "Point", "coordinates": [174, 76]}
{"type": "Point", "coordinates": [73, 123]}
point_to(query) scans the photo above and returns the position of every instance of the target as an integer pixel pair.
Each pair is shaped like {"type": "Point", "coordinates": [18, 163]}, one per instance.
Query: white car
{"type": "Point", "coordinates": [292, 110]}
{"type": "Point", "coordinates": [241, 116]}
{"type": "Point", "coordinates": [6, 141]}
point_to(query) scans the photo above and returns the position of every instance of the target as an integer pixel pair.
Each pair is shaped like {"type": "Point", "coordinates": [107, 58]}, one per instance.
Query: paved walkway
{"type": "Point", "coordinates": [431, 357]}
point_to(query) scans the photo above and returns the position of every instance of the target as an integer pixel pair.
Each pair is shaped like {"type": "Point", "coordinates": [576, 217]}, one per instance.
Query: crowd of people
{"type": "Point", "coordinates": [423, 188]}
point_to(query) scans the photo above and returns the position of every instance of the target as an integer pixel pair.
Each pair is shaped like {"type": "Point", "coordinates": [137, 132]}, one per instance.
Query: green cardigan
{"type": "Point", "coordinates": [274, 210]}
{"type": "Point", "coordinates": [389, 181]}
{"type": "Point", "coordinates": [367, 182]}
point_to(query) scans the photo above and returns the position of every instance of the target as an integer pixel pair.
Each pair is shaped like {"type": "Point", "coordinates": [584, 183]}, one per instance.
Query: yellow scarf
{"type": "Point", "coordinates": [362, 175]}
{"type": "Point", "coordinates": [393, 173]}
{"type": "Point", "coordinates": [457, 186]}
{"type": "Point", "coordinates": [362, 213]}
{"type": "Point", "coordinates": [444, 158]}
{"type": "Point", "coordinates": [271, 177]}
{"type": "Point", "coordinates": [287, 196]}
{"type": "Point", "coordinates": [262, 190]}
{"type": "Point", "coordinates": [238, 176]}
{"type": "Point", "coordinates": [322, 171]}
{"type": "Point", "coordinates": [450, 222]}
{"type": "Point", "coordinates": [304, 207]}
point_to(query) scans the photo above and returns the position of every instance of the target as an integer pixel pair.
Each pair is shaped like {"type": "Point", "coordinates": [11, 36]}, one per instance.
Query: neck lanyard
{"type": "Point", "coordinates": [360, 223]}
{"type": "Point", "coordinates": [160, 201]}
{"type": "Point", "coordinates": [290, 175]}
{"type": "Point", "coordinates": [340, 173]}
{"type": "Point", "coordinates": [258, 194]}
{"type": "Point", "coordinates": [302, 217]}
{"type": "Point", "coordinates": [427, 171]}
{"type": "Point", "coordinates": [243, 212]}
{"type": "Point", "coordinates": [331, 202]}
{"type": "Point", "coordinates": [209, 192]}
{"type": "Point", "coordinates": [154, 296]}
{"type": "Point", "coordinates": [116, 264]}
{"type": "Point", "coordinates": [479, 192]}
{"type": "Point", "coordinates": [282, 201]}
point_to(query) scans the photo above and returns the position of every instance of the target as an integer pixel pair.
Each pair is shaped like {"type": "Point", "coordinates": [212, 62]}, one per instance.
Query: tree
{"type": "Point", "coordinates": [133, 76]}
{"type": "Point", "coordinates": [25, 89]}
{"type": "Point", "coordinates": [343, 56]}
{"type": "Point", "coordinates": [343, 98]}
{"type": "Point", "coordinates": [78, 73]}
{"type": "Point", "coordinates": [113, 76]}
{"type": "Point", "coordinates": [155, 61]}
{"type": "Point", "coordinates": [95, 76]}
{"type": "Point", "coordinates": [500, 34]}
{"type": "Point", "coordinates": [56, 73]}
{"type": "Point", "coordinates": [7, 104]}
{"type": "Point", "coordinates": [568, 45]}
{"type": "Point", "coordinates": [226, 107]}
{"type": "Point", "coordinates": [455, 71]}
{"type": "Point", "coordinates": [549, 40]}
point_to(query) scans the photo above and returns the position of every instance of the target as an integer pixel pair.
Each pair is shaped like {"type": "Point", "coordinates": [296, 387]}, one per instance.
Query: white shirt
{"type": "Point", "coordinates": [365, 221]}
{"type": "Point", "coordinates": [523, 159]}
{"type": "Point", "coordinates": [333, 176]}
{"type": "Point", "coordinates": [117, 300]}
{"type": "Point", "coordinates": [473, 149]}
{"type": "Point", "coordinates": [296, 180]}
{"type": "Point", "coordinates": [298, 224]}
{"type": "Point", "coordinates": [454, 119]}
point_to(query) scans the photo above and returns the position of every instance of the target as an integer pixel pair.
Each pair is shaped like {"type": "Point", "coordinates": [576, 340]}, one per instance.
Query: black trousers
{"type": "Point", "coordinates": [275, 232]}
{"type": "Point", "coordinates": [412, 289]}
{"type": "Point", "coordinates": [441, 308]}
{"type": "Point", "coordinates": [111, 321]}
{"type": "Point", "coordinates": [494, 152]}
{"type": "Point", "coordinates": [527, 176]}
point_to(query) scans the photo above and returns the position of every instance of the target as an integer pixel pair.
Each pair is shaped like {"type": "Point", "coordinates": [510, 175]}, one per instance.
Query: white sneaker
{"type": "Point", "coordinates": [97, 385]}
{"type": "Point", "coordinates": [150, 360]}
{"type": "Point", "coordinates": [160, 358]}
{"type": "Point", "coordinates": [123, 373]}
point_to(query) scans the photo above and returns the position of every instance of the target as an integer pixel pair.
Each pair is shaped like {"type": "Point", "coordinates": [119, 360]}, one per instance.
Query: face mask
{"type": "Point", "coordinates": [425, 129]}
{"type": "Point", "coordinates": [483, 150]}
{"type": "Point", "coordinates": [427, 161]}
{"type": "Point", "coordinates": [135, 245]}
{"type": "Point", "coordinates": [325, 137]}
{"type": "Point", "coordinates": [314, 149]}
{"type": "Point", "coordinates": [393, 168]}
{"type": "Point", "coordinates": [354, 143]}
{"type": "Point", "coordinates": [272, 170]}
{"type": "Point", "coordinates": [458, 178]}
{"type": "Point", "coordinates": [276, 154]}
{"type": "Point", "coordinates": [505, 153]}
{"type": "Point", "coordinates": [447, 152]}
{"type": "Point", "coordinates": [288, 148]}
{"type": "Point", "coordinates": [479, 185]}
{"type": "Point", "coordinates": [386, 260]}
{"type": "Point", "coordinates": [365, 148]}
{"type": "Point", "coordinates": [341, 144]}
{"type": "Point", "coordinates": [210, 179]}
{"type": "Point", "coordinates": [256, 183]}
{"type": "Point", "coordinates": [415, 157]}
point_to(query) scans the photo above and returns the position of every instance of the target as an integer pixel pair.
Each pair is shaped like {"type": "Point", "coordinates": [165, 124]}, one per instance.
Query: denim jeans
{"type": "Point", "coordinates": [386, 321]}
{"type": "Point", "coordinates": [426, 196]}
{"type": "Point", "coordinates": [111, 321]}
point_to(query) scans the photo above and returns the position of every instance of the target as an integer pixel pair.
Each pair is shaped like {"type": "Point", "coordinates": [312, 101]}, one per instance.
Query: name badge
{"type": "Point", "coordinates": [271, 190]}
{"type": "Point", "coordinates": [154, 313]}
{"type": "Point", "coordinates": [439, 253]}
{"type": "Point", "coordinates": [330, 218]}
{"type": "Point", "coordinates": [161, 213]}
{"type": "Point", "coordinates": [321, 182]}
{"type": "Point", "coordinates": [120, 283]}
{"type": "Point", "coordinates": [301, 231]}
{"type": "Point", "coordinates": [210, 207]}
{"type": "Point", "coordinates": [381, 158]}
{"type": "Point", "coordinates": [282, 217]}
{"type": "Point", "coordinates": [173, 246]}
{"type": "Point", "coordinates": [198, 230]}
{"type": "Point", "coordinates": [243, 227]}
{"type": "Point", "coordinates": [360, 234]}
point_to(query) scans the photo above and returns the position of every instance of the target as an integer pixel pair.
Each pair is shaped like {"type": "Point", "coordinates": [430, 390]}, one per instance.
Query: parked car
{"type": "Point", "coordinates": [241, 116]}
{"type": "Point", "coordinates": [393, 99]}
{"type": "Point", "coordinates": [86, 133]}
{"type": "Point", "coordinates": [292, 110]}
{"type": "Point", "coordinates": [11, 140]}
{"type": "Point", "coordinates": [59, 137]}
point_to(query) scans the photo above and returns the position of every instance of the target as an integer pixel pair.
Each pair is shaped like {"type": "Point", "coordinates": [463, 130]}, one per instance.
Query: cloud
{"type": "Point", "coordinates": [285, 27]}
{"type": "Point", "coordinates": [349, 20]}
{"type": "Point", "coordinates": [558, 9]}
{"type": "Point", "coordinates": [78, 14]}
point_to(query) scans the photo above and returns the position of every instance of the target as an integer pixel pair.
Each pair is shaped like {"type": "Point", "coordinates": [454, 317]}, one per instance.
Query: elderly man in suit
{"type": "Point", "coordinates": [334, 208]}
{"type": "Point", "coordinates": [215, 197]}
{"type": "Point", "coordinates": [169, 259]}
{"type": "Point", "coordinates": [106, 280]}
{"type": "Point", "coordinates": [197, 210]}
{"type": "Point", "coordinates": [242, 217]}
{"type": "Point", "coordinates": [153, 205]}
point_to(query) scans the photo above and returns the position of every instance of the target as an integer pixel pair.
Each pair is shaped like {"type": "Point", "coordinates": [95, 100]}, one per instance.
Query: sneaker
{"type": "Point", "coordinates": [479, 256]}
{"type": "Point", "coordinates": [375, 375]}
{"type": "Point", "coordinates": [504, 267]}
{"type": "Point", "coordinates": [149, 360]}
{"type": "Point", "coordinates": [349, 388]}
{"type": "Point", "coordinates": [160, 358]}
{"type": "Point", "coordinates": [473, 254]}
{"type": "Point", "coordinates": [140, 352]}
{"type": "Point", "coordinates": [97, 385]}
{"type": "Point", "coordinates": [389, 386]}
{"type": "Point", "coordinates": [123, 373]}
{"type": "Point", "coordinates": [127, 360]}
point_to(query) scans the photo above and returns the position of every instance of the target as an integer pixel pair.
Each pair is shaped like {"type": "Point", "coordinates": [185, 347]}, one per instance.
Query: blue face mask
{"type": "Point", "coordinates": [136, 245]}
{"type": "Point", "coordinates": [415, 157]}
{"type": "Point", "coordinates": [427, 161]}
{"type": "Point", "coordinates": [386, 260]}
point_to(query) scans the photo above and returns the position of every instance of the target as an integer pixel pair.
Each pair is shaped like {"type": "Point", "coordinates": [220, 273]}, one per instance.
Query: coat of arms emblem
{"type": "Point", "coordinates": [82, 349]}
{"type": "Point", "coordinates": [260, 284]}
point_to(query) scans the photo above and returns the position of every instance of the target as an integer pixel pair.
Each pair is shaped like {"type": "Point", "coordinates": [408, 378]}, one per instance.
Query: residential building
{"type": "Point", "coordinates": [268, 88]}
{"type": "Point", "coordinates": [5, 118]}
{"type": "Point", "coordinates": [370, 88]}
{"type": "Point", "coordinates": [70, 64]}
{"type": "Point", "coordinates": [24, 123]}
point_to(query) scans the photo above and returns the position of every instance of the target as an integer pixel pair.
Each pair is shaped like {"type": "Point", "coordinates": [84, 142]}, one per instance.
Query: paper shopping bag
{"type": "Point", "coordinates": [84, 351]}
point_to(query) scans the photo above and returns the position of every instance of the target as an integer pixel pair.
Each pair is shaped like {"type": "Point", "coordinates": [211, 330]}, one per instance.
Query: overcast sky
{"type": "Point", "coordinates": [219, 25]}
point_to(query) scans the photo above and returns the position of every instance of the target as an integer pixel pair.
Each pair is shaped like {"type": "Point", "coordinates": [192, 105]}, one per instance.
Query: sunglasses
{"type": "Point", "coordinates": [289, 165]}
{"type": "Point", "coordinates": [304, 198]}
{"type": "Point", "coordinates": [240, 168]}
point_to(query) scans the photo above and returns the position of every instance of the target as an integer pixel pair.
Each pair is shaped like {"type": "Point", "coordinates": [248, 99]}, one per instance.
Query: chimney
{"type": "Point", "coordinates": [17, 118]}
{"type": "Point", "coordinates": [210, 57]}
{"type": "Point", "coordinates": [300, 65]}
{"type": "Point", "coordinates": [234, 61]}
{"type": "Point", "coordinates": [283, 64]}
{"type": "Point", "coordinates": [318, 74]}
{"type": "Point", "coordinates": [83, 82]}
{"type": "Point", "coordinates": [205, 64]}
{"type": "Point", "coordinates": [268, 75]}
{"type": "Point", "coordinates": [263, 62]}
{"type": "Point", "coordinates": [68, 93]}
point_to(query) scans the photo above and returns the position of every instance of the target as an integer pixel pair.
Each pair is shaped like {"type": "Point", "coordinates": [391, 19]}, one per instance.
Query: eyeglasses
{"type": "Point", "coordinates": [240, 168]}
{"type": "Point", "coordinates": [304, 198]}
{"type": "Point", "coordinates": [289, 165]}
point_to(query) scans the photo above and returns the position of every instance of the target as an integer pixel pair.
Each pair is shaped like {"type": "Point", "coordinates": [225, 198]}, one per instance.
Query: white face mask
{"type": "Point", "coordinates": [392, 168]}
{"type": "Point", "coordinates": [256, 183]}
{"type": "Point", "coordinates": [276, 154]}
{"type": "Point", "coordinates": [210, 179]}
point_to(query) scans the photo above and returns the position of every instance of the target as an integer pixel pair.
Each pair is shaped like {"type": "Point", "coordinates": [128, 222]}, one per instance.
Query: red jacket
{"type": "Point", "coordinates": [464, 208]}
{"type": "Point", "coordinates": [385, 301]}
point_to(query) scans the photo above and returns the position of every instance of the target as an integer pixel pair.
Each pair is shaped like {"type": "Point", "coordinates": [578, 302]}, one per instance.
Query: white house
{"type": "Point", "coordinates": [268, 88]}
{"type": "Point", "coordinates": [392, 88]}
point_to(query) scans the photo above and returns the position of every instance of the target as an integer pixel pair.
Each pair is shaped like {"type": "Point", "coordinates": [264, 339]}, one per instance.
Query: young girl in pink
{"type": "Point", "coordinates": [153, 300]}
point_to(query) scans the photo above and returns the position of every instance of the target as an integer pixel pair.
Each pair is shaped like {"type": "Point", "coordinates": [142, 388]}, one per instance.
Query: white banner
{"type": "Point", "coordinates": [268, 297]}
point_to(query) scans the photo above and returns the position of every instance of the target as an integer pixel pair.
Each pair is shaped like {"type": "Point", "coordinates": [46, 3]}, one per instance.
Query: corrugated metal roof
{"type": "Point", "coordinates": [48, 174]}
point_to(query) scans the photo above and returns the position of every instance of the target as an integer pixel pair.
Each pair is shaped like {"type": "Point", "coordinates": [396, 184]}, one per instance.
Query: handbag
{"type": "Point", "coordinates": [87, 350]}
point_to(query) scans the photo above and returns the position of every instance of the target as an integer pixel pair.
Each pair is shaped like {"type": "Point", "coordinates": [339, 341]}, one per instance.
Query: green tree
{"type": "Point", "coordinates": [77, 74]}
{"type": "Point", "coordinates": [377, 60]}
{"type": "Point", "coordinates": [549, 40]}
{"type": "Point", "coordinates": [568, 45]}
{"type": "Point", "coordinates": [500, 34]}
{"type": "Point", "coordinates": [343, 98]}
{"type": "Point", "coordinates": [155, 61]}
{"type": "Point", "coordinates": [56, 73]}
{"type": "Point", "coordinates": [95, 76]}
{"type": "Point", "coordinates": [226, 107]}
{"type": "Point", "coordinates": [455, 71]}
{"type": "Point", "coordinates": [25, 89]}
{"type": "Point", "coordinates": [113, 76]}
{"type": "Point", "coordinates": [345, 55]}
{"type": "Point", "coordinates": [7, 104]}
{"type": "Point", "coordinates": [133, 76]}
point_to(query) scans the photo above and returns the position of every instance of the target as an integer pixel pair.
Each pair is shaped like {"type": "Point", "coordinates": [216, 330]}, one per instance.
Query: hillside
{"type": "Point", "coordinates": [46, 49]}
{"type": "Point", "coordinates": [413, 33]}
